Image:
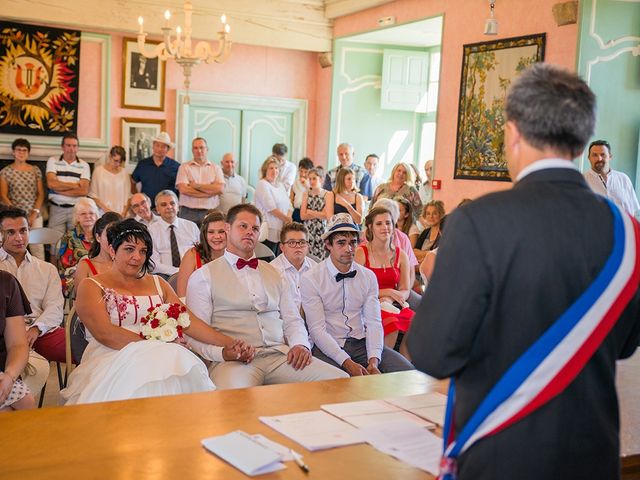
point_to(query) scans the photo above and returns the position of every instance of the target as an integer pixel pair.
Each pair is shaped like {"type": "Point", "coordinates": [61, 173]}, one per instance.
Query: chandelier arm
{"type": "Point", "coordinates": [156, 51]}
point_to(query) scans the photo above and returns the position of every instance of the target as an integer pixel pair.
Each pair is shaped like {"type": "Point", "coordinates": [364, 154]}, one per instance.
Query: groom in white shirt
{"type": "Point", "coordinates": [247, 299]}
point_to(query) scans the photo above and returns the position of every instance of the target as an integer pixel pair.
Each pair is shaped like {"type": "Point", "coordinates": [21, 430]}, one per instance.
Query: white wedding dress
{"type": "Point", "coordinates": [148, 368]}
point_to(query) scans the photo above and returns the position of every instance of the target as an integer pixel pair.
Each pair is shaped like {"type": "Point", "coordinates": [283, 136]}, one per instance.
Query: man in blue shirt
{"type": "Point", "coordinates": [158, 172]}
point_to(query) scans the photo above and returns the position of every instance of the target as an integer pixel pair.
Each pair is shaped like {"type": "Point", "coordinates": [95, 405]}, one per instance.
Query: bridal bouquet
{"type": "Point", "coordinates": [165, 322]}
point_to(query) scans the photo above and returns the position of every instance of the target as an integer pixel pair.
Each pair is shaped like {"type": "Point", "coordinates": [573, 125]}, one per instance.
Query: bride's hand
{"type": "Point", "coordinates": [181, 341]}
{"type": "Point", "coordinates": [239, 351]}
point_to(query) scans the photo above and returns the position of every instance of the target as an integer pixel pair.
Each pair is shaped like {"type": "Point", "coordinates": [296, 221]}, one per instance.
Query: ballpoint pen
{"type": "Point", "coordinates": [299, 461]}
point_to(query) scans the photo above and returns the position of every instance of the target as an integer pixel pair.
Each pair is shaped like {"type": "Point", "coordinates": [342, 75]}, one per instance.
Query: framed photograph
{"type": "Point", "coordinates": [136, 137]}
{"type": "Point", "coordinates": [142, 78]}
{"type": "Point", "coordinates": [488, 68]}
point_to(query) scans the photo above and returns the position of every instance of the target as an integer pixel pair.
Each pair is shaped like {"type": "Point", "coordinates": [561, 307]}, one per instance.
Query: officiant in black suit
{"type": "Point", "coordinates": [511, 263]}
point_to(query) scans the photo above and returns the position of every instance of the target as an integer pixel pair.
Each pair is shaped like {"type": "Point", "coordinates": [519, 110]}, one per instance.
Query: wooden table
{"type": "Point", "coordinates": [159, 438]}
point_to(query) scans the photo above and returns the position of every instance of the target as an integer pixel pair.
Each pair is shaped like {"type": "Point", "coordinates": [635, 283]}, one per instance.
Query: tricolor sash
{"type": "Point", "coordinates": [558, 356]}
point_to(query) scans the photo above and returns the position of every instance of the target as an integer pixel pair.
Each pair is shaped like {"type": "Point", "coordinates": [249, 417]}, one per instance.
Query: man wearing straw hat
{"type": "Point", "coordinates": [157, 172]}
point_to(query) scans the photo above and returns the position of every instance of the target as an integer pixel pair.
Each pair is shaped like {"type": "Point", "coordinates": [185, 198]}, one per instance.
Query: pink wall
{"type": "Point", "coordinates": [463, 23]}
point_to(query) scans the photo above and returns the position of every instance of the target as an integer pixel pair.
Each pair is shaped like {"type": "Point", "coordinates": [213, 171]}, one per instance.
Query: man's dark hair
{"type": "Point", "coordinates": [12, 212]}
{"type": "Point", "coordinates": [599, 143]}
{"type": "Point", "coordinates": [69, 135]}
{"type": "Point", "coordinates": [279, 149]}
{"type": "Point", "coordinates": [242, 207]}
{"type": "Point", "coordinates": [552, 108]}
{"type": "Point", "coordinates": [372, 155]}
{"type": "Point", "coordinates": [305, 163]}
{"type": "Point", "coordinates": [292, 227]}
{"type": "Point", "coordinates": [21, 142]}
{"type": "Point", "coordinates": [329, 240]}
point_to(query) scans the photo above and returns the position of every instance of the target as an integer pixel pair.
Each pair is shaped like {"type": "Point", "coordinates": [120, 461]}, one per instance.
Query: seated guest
{"type": "Point", "coordinates": [118, 363]}
{"type": "Point", "coordinates": [427, 266]}
{"type": "Point", "coordinates": [429, 239]}
{"type": "Point", "coordinates": [235, 186]}
{"type": "Point", "coordinates": [405, 221]}
{"type": "Point", "coordinates": [401, 184]}
{"type": "Point", "coordinates": [247, 299]}
{"type": "Point", "coordinates": [273, 202]}
{"type": "Point", "coordinates": [293, 260]}
{"type": "Point", "coordinates": [157, 172]}
{"type": "Point", "coordinates": [300, 187]}
{"type": "Point", "coordinates": [342, 310]}
{"type": "Point", "coordinates": [41, 283]}
{"type": "Point", "coordinates": [213, 241]}
{"type": "Point", "coordinates": [14, 348]}
{"type": "Point", "coordinates": [345, 197]}
{"type": "Point", "coordinates": [99, 259]}
{"type": "Point", "coordinates": [172, 236]}
{"type": "Point", "coordinates": [141, 208]}
{"type": "Point", "coordinates": [314, 213]}
{"type": "Point", "coordinates": [76, 243]}
{"type": "Point", "coordinates": [393, 273]}
{"type": "Point", "coordinates": [111, 185]}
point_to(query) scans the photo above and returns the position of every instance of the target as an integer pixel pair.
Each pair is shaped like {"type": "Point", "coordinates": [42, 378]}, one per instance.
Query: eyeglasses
{"type": "Point", "coordinates": [296, 243]}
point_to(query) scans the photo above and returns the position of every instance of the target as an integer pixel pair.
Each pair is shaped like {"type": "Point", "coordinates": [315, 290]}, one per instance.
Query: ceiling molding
{"type": "Point", "coordinates": [339, 8]}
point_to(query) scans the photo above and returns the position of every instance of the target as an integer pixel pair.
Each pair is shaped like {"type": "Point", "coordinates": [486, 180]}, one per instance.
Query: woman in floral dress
{"type": "Point", "coordinates": [314, 213]}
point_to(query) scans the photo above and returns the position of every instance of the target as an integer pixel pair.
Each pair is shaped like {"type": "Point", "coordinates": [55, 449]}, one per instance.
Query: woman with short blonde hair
{"type": "Point", "coordinates": [401, 184]}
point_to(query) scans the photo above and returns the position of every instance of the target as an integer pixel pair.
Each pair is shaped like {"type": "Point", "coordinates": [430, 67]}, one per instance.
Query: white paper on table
{"type": "Point", "coordinates": [284, 452]}
{"type": "Point", "coordinates": [240, 450]}
{"type": "Point", "coordinates": [432, 414]}
{"type": "Point", "coordinates": [421, 400]}
{"type": "Point", "coordinates": [315, 430]}
{"type": "Point", "coordinates": [378, 418]}
{"type": "Point", "coordinates": [364, 407]}
{"type": "Point", "coordinates": [407, 442]}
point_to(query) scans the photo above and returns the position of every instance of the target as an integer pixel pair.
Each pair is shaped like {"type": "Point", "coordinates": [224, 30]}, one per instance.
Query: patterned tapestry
{"type": "Point", "coordinates": [39, 69]}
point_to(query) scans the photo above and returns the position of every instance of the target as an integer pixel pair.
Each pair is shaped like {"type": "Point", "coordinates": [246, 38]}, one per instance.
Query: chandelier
{"type": "Point", "coordinates": [181, 49]}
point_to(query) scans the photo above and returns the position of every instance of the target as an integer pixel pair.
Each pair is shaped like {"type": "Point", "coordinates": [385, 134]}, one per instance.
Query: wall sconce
{"type": "Point", "coordinates": [491, 25]}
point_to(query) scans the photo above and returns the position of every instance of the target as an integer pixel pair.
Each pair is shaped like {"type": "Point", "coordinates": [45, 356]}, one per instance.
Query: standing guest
{"type": "Point", "coordinates": [118, 363]}
{"type": "Point", "coordinates": [320, 169]}
{"type": "Point", "coordinates": [157, 172]}
{"type": "Point", "coordinates": [429, 239]}
{"type": "Point", "coordinates": [14, 348]}
{"type": "Point", "coordinates": [98, 260]}
{"type": "Point", "coordinates": [141, 207]}
{"type": "Point", "coordinates": [425, 189]}
{"type": "Point", "coordinates": [300, 187]}
{"type": "Point", "coordinates": [529, 324]}
{"type": "Point", "coordinates": [213, 241]}
{"type": "Point", "coordinates": [293, 260]}
{"type": "Point", "coordinates": [286, 169]}
{"type": "Point", "coordinates": [246, 298]}
{"type": "Point", "coordinates": [41, 283]}
{"type": "Point", "coordinates": [172, 236]}
{"type": "Point", "coordinates": [608, 182]}
{"type": "Point", "coordinates": [235, 186]}
{"type": "Point", "coordinates": [405, 221]}
{"type": "Point", "coordinates": [21, 187]}
{"type": "Point", "coordinates": [315, 213]}
{"type": "Point", "coordinates": [200, 183]}
{"type": "Point", "coordinates": [345, 157]}
{"type": "Point", "coordinates": [272, 200]}
{"type": "Point", "coordinates": [401, 184]}
{"type": "Point", "coordinates": [391, 267]}
{"type": "Point", "coordinates": [371, 166]}
{"type": "Point", "coordinates": [345, 197]}
{"type": "Point", "coordinates": [68, 181]}
{"type": "Point", "coordinates": [111, 184]}
{"type": "Point", "coordinates": [342, 310]}
{"type": "Point", "coordinates": [76, 243]}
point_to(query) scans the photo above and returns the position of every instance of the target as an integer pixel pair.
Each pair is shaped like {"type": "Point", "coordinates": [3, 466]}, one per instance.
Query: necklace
{"type": "Point", "coordinates": [376, 259]}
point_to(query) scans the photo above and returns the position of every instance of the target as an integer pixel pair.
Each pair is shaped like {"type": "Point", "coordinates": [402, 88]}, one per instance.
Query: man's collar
{"type": "Point", "coordinates": [206, 162]}
{"type": "Point", "coordinates": [232, 258]}
{"type": "Point", "coordinates": [175, 221]}
{"type": "Point", "coordinates": [233, 174]}
{"type": "Point", "coordinates": [545, 164]}
{"type": "Point", "coordinates": [306, 264]}
{"type": "Point", "coordinates": [4, 255]}
{"type": "Point", "coordinates": [62, 159]}
{"type": "Point", "coordinates": [333, 270]}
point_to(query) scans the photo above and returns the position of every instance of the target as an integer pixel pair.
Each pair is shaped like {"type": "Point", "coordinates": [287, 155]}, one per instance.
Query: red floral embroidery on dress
{"type": "Point", "coordinates": [115, 301]}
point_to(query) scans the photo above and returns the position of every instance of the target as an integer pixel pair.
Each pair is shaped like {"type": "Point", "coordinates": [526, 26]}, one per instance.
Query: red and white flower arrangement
{"type": "Point", "coordinates": [165, 322]}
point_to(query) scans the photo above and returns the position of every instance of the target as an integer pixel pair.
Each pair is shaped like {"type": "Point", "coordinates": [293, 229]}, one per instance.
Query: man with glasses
{"type": "Point", "coordinates": [340, 301]}
{"type": "Point", "coordinates": [141, 207]}
{"type": "Point", "coordinates": [293, 260]}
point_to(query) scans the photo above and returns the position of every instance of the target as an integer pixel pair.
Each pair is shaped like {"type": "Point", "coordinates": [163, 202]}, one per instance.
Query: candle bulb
{"type": "Point", "coordinates": [227, 28]}
{"type": "Point", "coordinates": [223, 19]}
{"type": "Point", "coordinates": [141, 22]}
{"type": "Point", "coordinates": [178, 33]}
{"type": "Point", "coordinates": [167, 17]}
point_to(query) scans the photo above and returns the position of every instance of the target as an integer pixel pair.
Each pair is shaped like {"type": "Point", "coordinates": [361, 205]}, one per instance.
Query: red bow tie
{"type": "Point", "coordinates": [241, 263]}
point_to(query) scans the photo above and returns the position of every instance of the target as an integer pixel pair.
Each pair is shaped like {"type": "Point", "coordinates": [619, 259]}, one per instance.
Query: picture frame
{"type": "Point", "coordinates": [488, 68]}
{"type": "Point", "coordinates": [136, 137]}
{"type": "Point", "coordinates": [143, 79]}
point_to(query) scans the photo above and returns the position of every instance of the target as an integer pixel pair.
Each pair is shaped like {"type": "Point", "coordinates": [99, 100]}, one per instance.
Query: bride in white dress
{"type": "Point", "coordinates": [118, 364]}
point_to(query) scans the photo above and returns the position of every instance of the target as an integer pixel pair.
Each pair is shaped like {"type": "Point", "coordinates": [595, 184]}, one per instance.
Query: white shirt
{"type": "Point", "coordinates": [617, 188]}
{"type": "Point", "coordinates": [154, 218]}
{"type": "Point", "coordinates": [187, 235]}
{"type": "Point", "coordinates": [41, 282]}
{"type": "Point", "coordinates": [235, 192]}
{"type": "Point", "coordinates": [200, 302]}
{"type": "Point", "coordinates": [336, 311]}
{"type": "Point", "coordinates": [270, 197]}
{"type": "Point", "coordinates": [298, 192]}
{"type": "Point", "coordinates": [292, 275]}
{"type": "Point", "coordinates": [67, 172]}
{"type": "Point", "coordinates": [193, 172]}
{"type": "Point", "coordinates": [112, 189]}
{"type": "Point", "coordinates": [287, 176]}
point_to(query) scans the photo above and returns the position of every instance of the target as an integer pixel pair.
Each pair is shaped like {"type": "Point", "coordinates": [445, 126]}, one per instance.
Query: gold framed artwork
{"type": "Point", "coordinates": [137, 134]}
{"type": "Point", "coordinates": [143, 79]}
{"type": "Point", "coordinates": [488, 68]}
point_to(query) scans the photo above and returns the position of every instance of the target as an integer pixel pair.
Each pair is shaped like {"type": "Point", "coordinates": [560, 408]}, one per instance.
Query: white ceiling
{"type": "Point", "coordinates": [424, 33]}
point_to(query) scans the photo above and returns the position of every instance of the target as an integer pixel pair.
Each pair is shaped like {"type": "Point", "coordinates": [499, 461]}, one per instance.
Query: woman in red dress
{"type": "Point", "coordinates": [391, 267]}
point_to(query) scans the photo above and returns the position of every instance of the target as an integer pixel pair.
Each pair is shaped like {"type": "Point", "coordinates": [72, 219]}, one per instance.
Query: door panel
{"type": "Point", "coordinates": [220, 127]}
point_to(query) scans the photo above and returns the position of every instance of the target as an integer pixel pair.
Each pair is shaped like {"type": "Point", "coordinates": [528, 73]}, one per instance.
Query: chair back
{"type": "Point", "coordinates": [314, 258]}
{"type": "Point", "coordinates": [173, 281]}
{"type": "Point", "coordinates": [47, 236]}
{"type": "Point", "coordinates": [263, 252]}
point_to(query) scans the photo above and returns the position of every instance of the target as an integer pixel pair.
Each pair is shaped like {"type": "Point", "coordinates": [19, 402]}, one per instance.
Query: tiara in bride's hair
{"type": "Point", "coordinates": [130, 231]}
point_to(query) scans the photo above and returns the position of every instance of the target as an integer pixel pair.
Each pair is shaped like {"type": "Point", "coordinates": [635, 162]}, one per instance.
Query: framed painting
{"type": "Point", "coordinates": [488, 68]}
{"type": "Point", "coordinates": [142, 78]}
{"type": "Point", "coordinates": [137, 134]}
